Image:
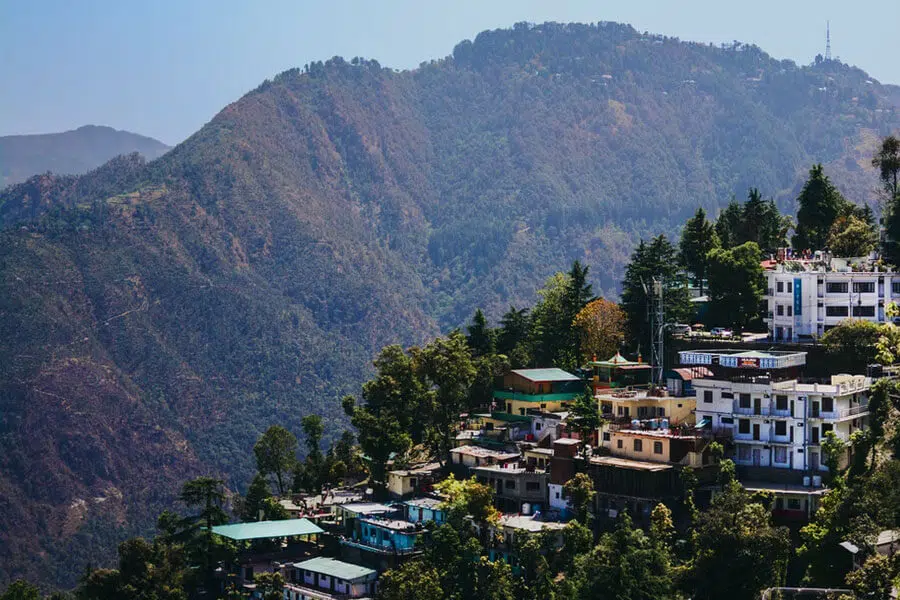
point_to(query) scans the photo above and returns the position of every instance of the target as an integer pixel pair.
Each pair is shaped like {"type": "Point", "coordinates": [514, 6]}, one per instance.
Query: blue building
{"type": "Point", "coordinates": [422, 510]}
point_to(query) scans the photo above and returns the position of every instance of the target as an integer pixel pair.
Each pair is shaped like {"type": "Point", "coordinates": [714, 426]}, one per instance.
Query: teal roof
{"type": "Point", "coordinates": [546, 375]}
{"type": "Point", "coordinates": [335, 568]}
{"type": "Point", "coordinates": [267, 529]}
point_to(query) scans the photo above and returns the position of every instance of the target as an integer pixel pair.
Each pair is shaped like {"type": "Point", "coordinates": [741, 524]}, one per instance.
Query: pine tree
{"type": "Point", "coordinates": [820, 204]}
{"type": "Point", "coordinates": [697, 238]}
{"type": "Point", "coordinates": [649, 261]}
{"type": "Point", "coordinates": [481, 337]}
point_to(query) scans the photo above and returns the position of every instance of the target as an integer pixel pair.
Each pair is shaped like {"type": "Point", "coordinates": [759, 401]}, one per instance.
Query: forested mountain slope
{"type": "Point", "coordinates": [157, 317]}
{"type": "Point", "coordinates": [75, 152]}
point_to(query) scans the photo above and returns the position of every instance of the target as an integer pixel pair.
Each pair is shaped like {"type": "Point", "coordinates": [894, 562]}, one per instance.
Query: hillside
{"type": "Point", "coordinates": [156, 317]}
{"type": "Point", "coordinates": [70, 152]}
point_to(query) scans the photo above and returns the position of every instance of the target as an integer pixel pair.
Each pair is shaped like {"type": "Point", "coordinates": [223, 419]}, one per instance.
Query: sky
{"type": "Point", "coordinates": [163, 68]}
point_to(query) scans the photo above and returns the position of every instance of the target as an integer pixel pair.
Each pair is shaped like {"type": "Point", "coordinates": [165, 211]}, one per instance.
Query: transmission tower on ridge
{"type": "Point", "coordinates": [827, 40]}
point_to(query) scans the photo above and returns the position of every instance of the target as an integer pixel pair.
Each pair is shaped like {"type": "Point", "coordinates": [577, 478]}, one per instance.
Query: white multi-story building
{"type": "Point", "coordinates": [775, 420]}
{"type": "Point", "coordinates": [807, 298]}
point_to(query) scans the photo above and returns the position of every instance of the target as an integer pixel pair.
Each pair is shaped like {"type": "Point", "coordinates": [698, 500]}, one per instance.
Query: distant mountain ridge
{"type": "Point", "coordinates": [70, 152]}
{"type": "Point", "coordinates": [158, 316]}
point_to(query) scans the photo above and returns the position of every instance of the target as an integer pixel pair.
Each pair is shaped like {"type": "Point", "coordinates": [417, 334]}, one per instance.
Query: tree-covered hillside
{"type": "Point", "coordinates": [156, 317]}
{"type": "Point", "coordinates": [76, 151]}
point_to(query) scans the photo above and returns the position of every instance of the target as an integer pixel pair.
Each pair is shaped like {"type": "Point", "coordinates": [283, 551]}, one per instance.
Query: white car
{"type": "Point", "coordinates": [721, 332]}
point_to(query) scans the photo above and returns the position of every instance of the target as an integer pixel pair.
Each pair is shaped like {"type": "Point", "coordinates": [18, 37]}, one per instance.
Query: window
{"type": "Point", "coordinates": [895, 288]}
{"type": "Point", "coordinates": [790, 287]}
{"type": "Point", "coordinates": [707, 396]}
{"type": "Point", "coordinates": [743, 452]}
{"type": "Point", "coordinates": [781, 403]}
{"type": "Point", "coordinates": [605, 436]}
{"type": "Point", "coordinates": [745, 401]}
{"type": "Point", "coordinates": [780, 427]}
{"type": "Point", "coordinates": [836, 287]}
{"type": "Point", "coordinates": [779, 286]}
{"type": "Point", "coordinates": [743, 425]}
{"type": "Point", "coordinates": [557, 495]}
{"type": "Point", "coordinates": [790, 310]}
{"type": "Point", "coordinates": [657, 448]}
{"type": "Point", "coordinates": [826, 427]}
{"type": "Point", "coordinates": [727, 420]}
{"type": "Point", "coordinates": [864, 311]}
{"type": "Point", "coordinates": [864, 287]}
{"type": "Point", "coordinates": [827, 404]}
{"type": "Point", "coordinates": [780, 454]}
{"type": "Point", "coordinates": [509, 484]}
{"type": "Point", "coordinates": [836, 311]}
{"type": "Point", "coordinates": [638, 446]}
{"type": "Point", "coordinates": [618, 443]}
{"type": "Point", "coordinates": [532, 486]}
{"type": "Point", "coordinates": [727, 395]}
{"type": "Point", "coordinates": [413, 482]}
{"type": "Point", "coordinates": [794, 504]}
{"type": "Point", "coordinates": [779, 309]}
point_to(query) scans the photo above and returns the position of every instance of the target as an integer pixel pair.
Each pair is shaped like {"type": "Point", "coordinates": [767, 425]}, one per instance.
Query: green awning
{"type": "Point", "coordinates": [267, 529]}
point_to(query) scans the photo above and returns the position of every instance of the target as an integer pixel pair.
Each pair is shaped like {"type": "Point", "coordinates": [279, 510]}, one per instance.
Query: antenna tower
{"type": "Point", "coordinates": [657, 327]}
{"type": "Point", "coordinates": [827, 40]}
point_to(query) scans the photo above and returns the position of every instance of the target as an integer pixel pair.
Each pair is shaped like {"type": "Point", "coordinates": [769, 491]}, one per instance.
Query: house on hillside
{"type": "Point", "coordinates": [324, 578]}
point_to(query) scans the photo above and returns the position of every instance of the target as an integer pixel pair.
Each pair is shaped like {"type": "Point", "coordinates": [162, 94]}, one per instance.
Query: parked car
{"type": "Point", "coordinates": [680, 329]}
{"type": "Point", "coordinates": [721, 332]}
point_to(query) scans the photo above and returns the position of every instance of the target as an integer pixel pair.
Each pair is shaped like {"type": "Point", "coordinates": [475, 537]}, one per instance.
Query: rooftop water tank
{"type": "Point", "coordinates": [806, 480]}
{"type": "Point", "coordinates": [526, 509]}
{"type": "Point", "coordinates": [817, 481]}
{"type": "Point", "coordinates": [664, 424]}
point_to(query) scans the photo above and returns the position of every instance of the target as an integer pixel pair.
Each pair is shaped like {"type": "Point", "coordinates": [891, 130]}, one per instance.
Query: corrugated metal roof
{"type": "Point", "coordinates": [553, 374]}
{"type": "Point", "coordinates": [335, 568]}
{"type": "Point", "coordinates": [267, 529]}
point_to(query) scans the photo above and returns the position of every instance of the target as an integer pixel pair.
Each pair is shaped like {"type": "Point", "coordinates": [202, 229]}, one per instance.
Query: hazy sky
{"type": "Point", "coordinates": [164, 67]}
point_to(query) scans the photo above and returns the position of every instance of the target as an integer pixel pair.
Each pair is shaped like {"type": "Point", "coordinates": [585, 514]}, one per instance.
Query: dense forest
{"type": "Point", "coordinates": [157, 317]}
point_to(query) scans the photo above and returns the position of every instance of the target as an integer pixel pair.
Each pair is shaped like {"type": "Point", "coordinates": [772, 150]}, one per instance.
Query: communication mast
{"type": "Point", "coordinates": [658, 326]}
{"type": "Point", "coordinates": [827, 40]}
{"type": "Point", "coordinates": [656, 317]}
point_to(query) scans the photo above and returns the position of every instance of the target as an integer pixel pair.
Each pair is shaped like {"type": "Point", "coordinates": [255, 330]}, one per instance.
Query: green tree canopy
{"type": "Point", "coordinates": [698, 238]}
{"type": "Point", "coordinates": [276, 454]}
{"type": "Point", "coordinates": [656, 260]}
{"type": "Point", "coordinates": [736, 284]}
{"type": "Point", "coordinates": [820, 204]}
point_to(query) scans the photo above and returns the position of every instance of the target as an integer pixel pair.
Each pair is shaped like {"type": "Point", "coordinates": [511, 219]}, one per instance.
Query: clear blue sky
{"type": "Point", "coordinates": [164, 67]}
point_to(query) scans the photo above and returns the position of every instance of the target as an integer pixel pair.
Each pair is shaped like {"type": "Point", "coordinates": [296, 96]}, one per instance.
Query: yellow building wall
{"type": "Point", "coordinates": [677, 410]}
{"type": "Point", "coordinates": [645, 453]}
{"type": "Point", "coordinates": [519, 405]}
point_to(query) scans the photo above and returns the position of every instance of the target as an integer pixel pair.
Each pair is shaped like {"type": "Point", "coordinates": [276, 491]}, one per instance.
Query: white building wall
{"type": "Point", "coordinates": [825, 299]}
{"type": "Point", "coordinates": [557, 497]}
{"type": "Point", "coordinates": [781, 425]}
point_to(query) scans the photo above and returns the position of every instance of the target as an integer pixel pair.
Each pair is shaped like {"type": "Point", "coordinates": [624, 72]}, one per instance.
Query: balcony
{"type": "Point", "coordinates": [305, 591]}
{"type": "Point", "coordinates": [383, 548]}
{"type": "Point", "coordinates": [845, 413]}
{"type": "Point", "coordinates": [765, 409]}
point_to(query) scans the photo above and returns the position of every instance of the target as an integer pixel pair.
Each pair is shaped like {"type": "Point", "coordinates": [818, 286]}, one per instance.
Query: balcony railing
{"type": "Point", "coordinates": [853, 411]}
{"type": "Point", "coordinates": [766, 409]}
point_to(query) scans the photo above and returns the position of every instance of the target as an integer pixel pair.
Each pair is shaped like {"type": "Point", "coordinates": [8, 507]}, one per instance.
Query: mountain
{"type": "Point", "coordinates": [156, 317]}
{"type": "Point", "coordinates": [71, 152]}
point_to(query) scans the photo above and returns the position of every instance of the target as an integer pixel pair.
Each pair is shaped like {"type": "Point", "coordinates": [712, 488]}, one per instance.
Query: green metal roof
{"type": "Point", "coordinates": [546, 375]}
{"type": "Point", "coordinates": [335, 568]}
{"type": "Point", "coordinates": [267, 529]}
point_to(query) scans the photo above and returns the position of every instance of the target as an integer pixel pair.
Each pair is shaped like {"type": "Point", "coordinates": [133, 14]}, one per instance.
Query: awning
{"type": "Point", "coordinates": [704, 422]}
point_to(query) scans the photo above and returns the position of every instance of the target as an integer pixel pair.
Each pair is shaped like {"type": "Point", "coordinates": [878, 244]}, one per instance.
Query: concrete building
{"type": "Point", "coordinates": [406, 482]}
{"type": "Point", "coordinates": [806, 298]}
{"type": "Point", "coordinates": [515, 487]}
{"type": "Point", "coordinates": [475, 456]}
{"type": "Point", "coordinates": [547, 390]}
{"type": "Point", "coordinates": [775, 419]}
{"type": "Point", "coordinates": [323, 578]}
